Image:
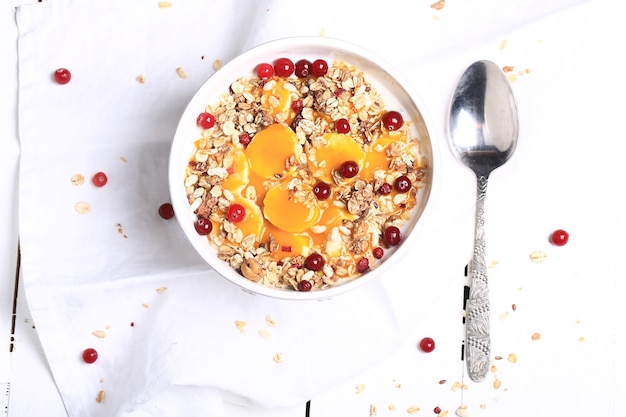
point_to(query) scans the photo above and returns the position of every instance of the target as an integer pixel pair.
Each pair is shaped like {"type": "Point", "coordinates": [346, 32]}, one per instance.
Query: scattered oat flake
{"type": "Point", "coordinates": [165, 4]}
{"type": "Point", "coordinates": [181, 73]}
{"type": "Point", "coordinates": [278, 358]}
{"type": "Point", "coordinates": [497, 384]}
{"type": "Point", "coordinates": [493, 264]}
{"type": "Point", "coordinates": [373, 412]}
{"type": "Point", "coordinates": [265, 334]}
{"type": "Point", "coordinates": [270, 321]}
{"type": "Point", "coordinates": [145, 305]}
{"type": "Point", "coordinates": [455, 386]}
{"type": "Point", "coordinates": [240, 325]}
{"type": "Point", "coordinates": [392, 407]}
{"type": "Point", "coordinates": [359, 388]}
{"type": "Point", "coordinates": [535, 336]}
{"type": "Point", "coordinates": [161, 290]}
{"type": "Point", "coordinates": [99, 333]}
{"type": "Point", "coordinates": [538, 257]}
{"type": "Point", "coordinates": [102, 395]}
{"type": "Point", "coordinates": [413, 409]}
{"type": "Point", "coordinates": [512, 358]}
{"type": "Point", "coordinates": [503, 43]}
{"type": "Point", "coordinates": [140, 79]}
{"type": "Point", "coordinates": [78, 179]}
{"type": "Point", "coordinates": [581, 339]}
{"type": "Point", "coordinates": [494, 369]}
{"type": "Point", "coordinates": [123, 159]}
{"type": "Point", "coordinates": [444, 413]}
{"type": "Point", "coordinates": [512, 78]}
{"type": "Point", "coordinates": [82, 207]}
{"type": "Point", "coordinates": [504, 315]}
{"type": "Point", "coordinates": [438, 5]}
{"type": "Point", "coordinates": [217, 64]}
{"type": "Point", "coordinates": [462, 411]}
{"type": "Point", "coordinates": [483, 406]}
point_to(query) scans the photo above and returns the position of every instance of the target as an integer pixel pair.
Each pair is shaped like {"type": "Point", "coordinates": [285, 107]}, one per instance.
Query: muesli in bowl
{"type": "Point", "coordinates": [301, 168]}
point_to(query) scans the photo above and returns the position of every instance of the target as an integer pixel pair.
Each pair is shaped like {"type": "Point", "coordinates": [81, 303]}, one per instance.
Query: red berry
{"type": "Point", "coordinates": [342, 126]}
{"type": "Point", "coordinates": [205, 120]}
{"type": "Point", "coordinates": [378, 252]}
{"type": "Point", "coordinates": [166, 211]}
{"type": "Point", "coordinates": [319, 68]}
{"type": "Point", "coordinates": [363, 265]}
{"type": "Point", "coordinates": [297, 105]}
{"type": "Point", "coordinates": [62, 76]}
{"type": "Point", "coordinates": [349, 169]}
{"type": "Point", "coordinates": [236, 213]}
{"type": "Point", "coordinates": [392, 120]}
{"type": "Point", "coordinates": [314, 262]}
{"type": "Point", "coordinates": [245, 139]}
{"type": "Point", "coordinates": [392, 236]}
{"type": "Point", "coordinates": [437, 410]}
{"type": "Point", "coordinates": [427, 344]}
{"type": "Point", "coordinates": [402, 184]}
{"type": "Point", "coordinates": [559, 237]}
{"type": "Point", "coordinates": [100, 179]}
{"type": "Point", "coordinates": [302, 68]}
{"type": "Point", "coordinates": [385, 189]}
{"type": "Point", "coordinates": [284, 67]}
{"type": "Point", "coordinates": [90, 355]}
{"type": "Point", "coordinates": [321, 191]}
{"type": "Point", "coordinates": [305, 285]}
{"type": "Point", "coordinates": [264, 71]}
{"type": "Point", "coordinates": [203, 226]}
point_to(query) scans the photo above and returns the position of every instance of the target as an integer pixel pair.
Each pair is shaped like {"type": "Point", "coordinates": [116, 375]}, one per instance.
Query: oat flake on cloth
{"type": "Point", "coordinates": [101, 262]}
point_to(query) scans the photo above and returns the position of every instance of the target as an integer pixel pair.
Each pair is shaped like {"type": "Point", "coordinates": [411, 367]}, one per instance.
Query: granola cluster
{"type": "Point", "coordinates": [309, 108]}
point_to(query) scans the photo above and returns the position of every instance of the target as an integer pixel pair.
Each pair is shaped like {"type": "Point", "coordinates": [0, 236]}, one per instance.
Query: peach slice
{"type": "Point", "coordinates": [338, 149]}
{"type": "Point", "coordinates": [270, 148]}
{"type": "Point", "coordinates": [284, 210]}
{"type": "Point", "coordinates": [253, 221]}
{"type": "Point", "coordinates": [238, 171]}
{"type": "Point", "coordinates": [275, 89]}
{"type": "Point", "coordinates": [290, 244]}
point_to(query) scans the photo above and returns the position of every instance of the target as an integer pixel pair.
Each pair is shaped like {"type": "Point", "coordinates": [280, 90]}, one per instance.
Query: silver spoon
{"type": "Point", "coordinates": [482, 130]}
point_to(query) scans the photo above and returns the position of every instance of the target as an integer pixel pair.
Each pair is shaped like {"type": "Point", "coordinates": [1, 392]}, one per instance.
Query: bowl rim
{"type": "Point", "coordinates": [300, 42]}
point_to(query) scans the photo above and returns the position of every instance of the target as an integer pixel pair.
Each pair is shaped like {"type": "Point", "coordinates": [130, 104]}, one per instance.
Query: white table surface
{"type": "Point", "coordinates": [576, 368]}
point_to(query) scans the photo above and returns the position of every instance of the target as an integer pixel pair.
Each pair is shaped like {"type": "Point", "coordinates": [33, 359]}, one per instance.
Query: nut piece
{"type": "Point", "coordinates": [360, 388]}
{"type": "Point", "coordinates": [512, 358]}
{"type": "Point", "coordinates": [252, 269]}
{"type": "Point", "coordinates": [535, 336]}
{"type": "Point", "coordinates": [102, 395]}
{"type": "Point", "coordinates": [438, 5]}
{"type": "Point", "coordinates": [373, 412]}
{"type": "Point", "coordinates": [278, 358]}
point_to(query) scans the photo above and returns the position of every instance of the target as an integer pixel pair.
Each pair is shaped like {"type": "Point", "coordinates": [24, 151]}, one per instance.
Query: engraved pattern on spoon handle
{"type": "Point", "coordinates": [477, 307]}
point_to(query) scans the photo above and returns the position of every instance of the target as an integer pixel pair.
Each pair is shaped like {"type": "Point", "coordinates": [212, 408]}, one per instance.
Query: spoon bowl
{"type": "Point", "coordinates": [482, 131]}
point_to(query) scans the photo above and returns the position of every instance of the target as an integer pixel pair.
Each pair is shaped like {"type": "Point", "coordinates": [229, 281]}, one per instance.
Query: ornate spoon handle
{"type": "Point", "coordinates": [478, 346]}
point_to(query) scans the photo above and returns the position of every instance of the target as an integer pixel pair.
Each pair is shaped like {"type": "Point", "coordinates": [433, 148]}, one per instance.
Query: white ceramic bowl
{"type": "Point", "coordinates": [397, 94]}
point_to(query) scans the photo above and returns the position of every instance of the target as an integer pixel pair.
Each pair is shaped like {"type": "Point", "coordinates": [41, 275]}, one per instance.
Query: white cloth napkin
{"type": "Point", "coordinates": [170, 342]}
